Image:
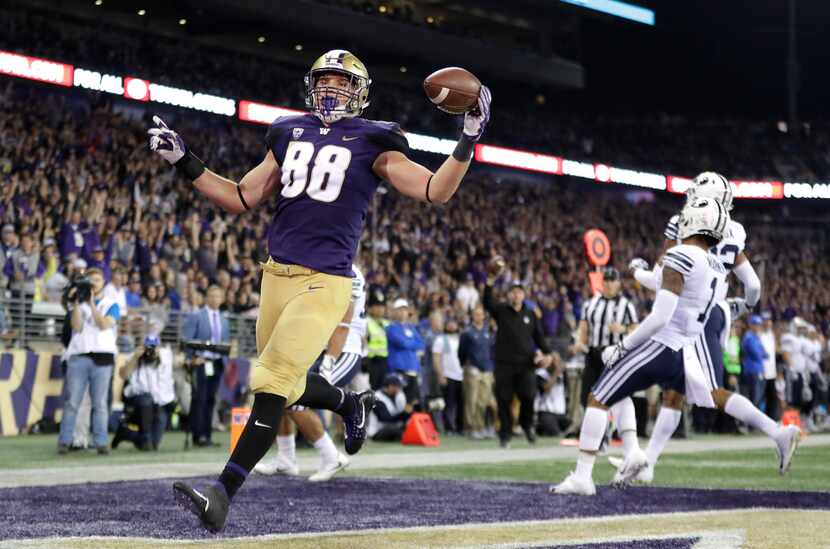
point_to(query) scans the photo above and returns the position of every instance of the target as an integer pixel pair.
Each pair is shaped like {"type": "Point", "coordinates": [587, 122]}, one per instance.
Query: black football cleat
{"type": "Point", "coordinates": [356, 423]}
{"type": "Point", "coordinates": [210, 505]}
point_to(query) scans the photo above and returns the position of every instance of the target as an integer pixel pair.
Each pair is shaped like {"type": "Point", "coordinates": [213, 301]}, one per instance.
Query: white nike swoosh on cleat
{"type": "Point", "coordinates": [362, 419]}
{"type": "Point", "coordinates": [207, 501]}
{"type": "Point", "coordinates": [258, 424]}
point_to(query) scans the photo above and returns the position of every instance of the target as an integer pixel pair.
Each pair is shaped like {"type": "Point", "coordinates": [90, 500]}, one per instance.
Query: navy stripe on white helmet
{"type": "Point", "coordinates": [703, 216]}
{"type": "Point", "coordinates": [711, 185]}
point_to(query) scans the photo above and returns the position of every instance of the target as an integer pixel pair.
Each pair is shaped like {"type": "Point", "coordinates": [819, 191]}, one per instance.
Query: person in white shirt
{"type": "Point", "coordinates": [90, 358]}
{"type": "Point", "coordinates": [116, 289]}
{"type": "Point", "coordinates": [450, 376]}
{"type": "Point", "coordinates": [793, 349]}
{"type": "Point", "coordinates": [149, 390]}
{"type": "Point", "coordinates": [467, 295]}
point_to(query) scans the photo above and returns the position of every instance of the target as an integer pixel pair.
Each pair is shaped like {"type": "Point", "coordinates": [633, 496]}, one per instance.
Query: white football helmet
{"type": "Point", "coordinates": [711, 185]}
{"type": "Point", "coordinates": [702, 216]}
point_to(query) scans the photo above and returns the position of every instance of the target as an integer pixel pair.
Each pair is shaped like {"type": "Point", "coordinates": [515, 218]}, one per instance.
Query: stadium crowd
{"type": "Point", "coordinates": [750, 149]}
{"type": "Point", "coordinates": [80, 190]}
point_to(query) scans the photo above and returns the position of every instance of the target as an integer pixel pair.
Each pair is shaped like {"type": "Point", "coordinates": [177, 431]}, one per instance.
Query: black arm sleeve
{"type": "Point", "coordinates": [539, 335]}
{"type": "Point", "coordinates": [489, 304]}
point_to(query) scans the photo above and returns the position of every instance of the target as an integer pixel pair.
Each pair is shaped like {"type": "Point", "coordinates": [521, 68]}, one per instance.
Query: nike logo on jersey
{"type": "Point", "coordinates": [350, 138]}
{"type": "Point", "coordinates": [258, 424]}
{"type": "Point", "coordinates": [315, 287]}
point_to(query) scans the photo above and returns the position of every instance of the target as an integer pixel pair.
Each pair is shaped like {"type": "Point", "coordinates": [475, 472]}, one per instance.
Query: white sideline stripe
{"type": "Point", "coordinates": [710, 539]}
{"type": "Point", "coordinates": [15, 544]}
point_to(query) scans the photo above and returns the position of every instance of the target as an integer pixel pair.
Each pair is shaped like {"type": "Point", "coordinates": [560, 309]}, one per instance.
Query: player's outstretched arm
{"type": "Point", "coordinates": [749, 278]}
{"type": "Point", "coordinates": [257, 184]}
{"type": "Point", "coordinates": [412, 179]}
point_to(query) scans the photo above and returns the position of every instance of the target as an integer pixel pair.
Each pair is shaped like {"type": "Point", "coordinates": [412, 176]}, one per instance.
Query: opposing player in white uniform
{"type": "Point", "coordinates": [704, 358]}
{"type": "Point", "coordinates": [688, 281]}
{"type": "Point", "coordinates": [339, 364]}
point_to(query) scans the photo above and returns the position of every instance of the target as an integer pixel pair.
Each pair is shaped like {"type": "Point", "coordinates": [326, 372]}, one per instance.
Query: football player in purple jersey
{"type": "Point", "coordinates": [322, 170]}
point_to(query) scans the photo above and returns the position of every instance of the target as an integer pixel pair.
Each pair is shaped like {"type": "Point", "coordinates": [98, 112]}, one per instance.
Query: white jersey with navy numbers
{"type": "Point", "coordinates": [357, 325]}
{"type": "Point", "coordinates": [704, 284]}
{"type": "Point", "coordinates": [727, 250]}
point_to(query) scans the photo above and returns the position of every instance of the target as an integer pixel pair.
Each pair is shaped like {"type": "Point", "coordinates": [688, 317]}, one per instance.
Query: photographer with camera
{"type": "Point", "coordinates": [149, 390]}
{"type": "Point", "coordinates": [90, 356]}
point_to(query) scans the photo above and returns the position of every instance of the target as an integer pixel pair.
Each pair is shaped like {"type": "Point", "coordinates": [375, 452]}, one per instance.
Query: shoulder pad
{"type": "Point", "coordinates": [388, 136]}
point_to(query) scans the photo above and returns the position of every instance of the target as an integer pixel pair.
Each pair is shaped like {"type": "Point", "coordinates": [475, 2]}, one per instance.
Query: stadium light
{"type": "Point", "coordinates": [261, 39]}
{"type": "Point", "coordinates": [142, 12]}
{"type": "Point", "coordinates": [182, 21]}
{"type": "Point", "coordinates": [623, 10]}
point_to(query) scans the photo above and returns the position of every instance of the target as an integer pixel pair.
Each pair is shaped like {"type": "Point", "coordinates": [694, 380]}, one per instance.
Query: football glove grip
{"type": "Point", "coordinates": [474, 123]}
{"type": "Point", "coordinates": [612, 354]}
{"type": "Point", "coordinates": [476, 118]}
{"type": "Point", "coordinates": [170, 146]}
{"type": "Point", "coordinates": [737, 307]}
{"type": "Point", "coordinates": [638, 263]}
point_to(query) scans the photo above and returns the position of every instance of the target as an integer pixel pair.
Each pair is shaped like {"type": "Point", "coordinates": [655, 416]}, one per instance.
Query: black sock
{"type": "Point", "coordinates": [322, 395]}
{"type": "Point", "coordinates": [259, 434]}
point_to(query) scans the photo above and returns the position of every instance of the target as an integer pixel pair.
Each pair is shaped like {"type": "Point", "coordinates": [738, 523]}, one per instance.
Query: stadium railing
{"type": "Point", "coordinates": [27, 323]}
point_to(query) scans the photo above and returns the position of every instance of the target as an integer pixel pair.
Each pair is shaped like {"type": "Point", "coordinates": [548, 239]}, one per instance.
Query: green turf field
{"type": "Point", "coordinates": [716, 469]}
{"type": "Point", "coordinates": [755, 469]}
{"type": "Point", "coordinates": [28, 451]}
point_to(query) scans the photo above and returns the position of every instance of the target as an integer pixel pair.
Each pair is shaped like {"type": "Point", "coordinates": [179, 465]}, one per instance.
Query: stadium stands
{"type": "Point", "coordinates": [751, 149]}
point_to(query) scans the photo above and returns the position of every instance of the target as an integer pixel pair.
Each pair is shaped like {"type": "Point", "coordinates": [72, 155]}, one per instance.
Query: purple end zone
{"type": "Point", "coordinates": [287, 505]}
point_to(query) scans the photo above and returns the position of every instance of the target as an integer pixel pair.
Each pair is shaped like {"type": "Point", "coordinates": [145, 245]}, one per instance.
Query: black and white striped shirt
{"type": "Point", "coordinates": [600, 313]}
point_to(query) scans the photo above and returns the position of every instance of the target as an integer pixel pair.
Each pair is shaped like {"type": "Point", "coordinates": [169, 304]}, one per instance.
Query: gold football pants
{"type": "Point", "coordinates": [299, 308]}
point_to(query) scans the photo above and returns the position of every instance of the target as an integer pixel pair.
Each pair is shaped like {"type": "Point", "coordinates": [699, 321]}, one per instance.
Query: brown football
{"type": "Point", "coordinates": [496, 266]}
{"type": "Point", "coordinates": [453, 89]}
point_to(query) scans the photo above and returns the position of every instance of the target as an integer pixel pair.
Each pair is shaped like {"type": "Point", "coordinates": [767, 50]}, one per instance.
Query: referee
{"type": "Point", "coordinates": [606, 318]}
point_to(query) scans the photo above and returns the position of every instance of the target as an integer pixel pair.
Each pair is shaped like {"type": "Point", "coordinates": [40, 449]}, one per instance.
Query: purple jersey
{"type": "Point", "coordinates": [327, 186]}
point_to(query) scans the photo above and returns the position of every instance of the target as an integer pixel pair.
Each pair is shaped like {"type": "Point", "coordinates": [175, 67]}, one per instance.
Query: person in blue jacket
{"type": "Point", "coordinates": [404, 344]}
{"type": "Point", "coordinates": [753, 356]}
